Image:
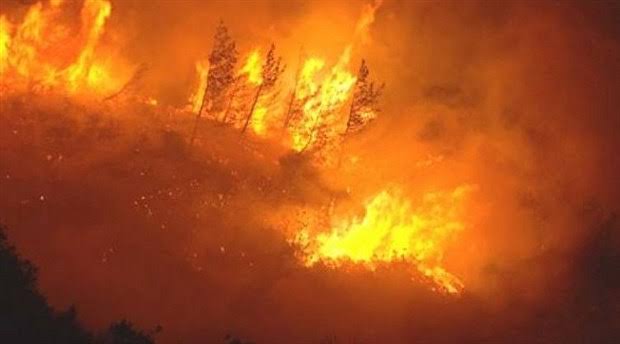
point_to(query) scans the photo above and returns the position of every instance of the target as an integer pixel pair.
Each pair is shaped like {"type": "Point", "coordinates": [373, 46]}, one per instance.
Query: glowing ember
{"type": "Point", "coordinates": [392, 229]}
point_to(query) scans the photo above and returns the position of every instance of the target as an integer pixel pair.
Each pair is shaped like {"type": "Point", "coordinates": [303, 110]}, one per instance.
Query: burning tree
{"type": "Point", "coordinates": [236, 89]}
{"type": "Point", "coordinates": [293, 107]}
{"type": "Point", "coordinates": [132, 83]}
{"type": "Point", "coordinates": [314, 115]}
{"type": "Point", "coordinates": [221, 74]}
{"type": "Point", "coordinates": [271, 71]}
{"type": "Point", "coordinates": [364, 105]}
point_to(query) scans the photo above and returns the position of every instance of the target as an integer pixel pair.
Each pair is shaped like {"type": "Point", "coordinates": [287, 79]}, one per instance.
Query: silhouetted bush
{"type": "Point", "coordinates": [26, 317]}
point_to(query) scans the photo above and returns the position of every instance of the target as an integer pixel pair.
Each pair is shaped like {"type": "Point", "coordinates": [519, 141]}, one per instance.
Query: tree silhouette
{"type": "Point", "coordinates": [364, 105]}
{"type": "Point", "coordinates": [271, 71]}
{"type": "Point", "coordinates": [221, 74]}
{"type": "Point", "coordinates": [123, 332]}
{"type": "Point", "coordinates": [293, 107]}
{"type": "Point", "coordinates": [26, 317]}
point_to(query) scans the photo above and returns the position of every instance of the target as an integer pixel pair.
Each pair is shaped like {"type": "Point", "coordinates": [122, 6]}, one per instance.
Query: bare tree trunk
{"type": "Point", "coordinates": [315, 127]}
{"type": "Point", "coordinates": [249, 117]}
{"type": "Point", "coordinates": [198, 114]}
{"type": "Point", "coordinates": [232, 98]}
{"type": "Point", "coordinates": [351, 111]}
{"type": "Point", "coordinates": [137, 75]}
{"type": "Point", "coordinates": [289, 114]}
{"type": "Point", "coordinates": [287, 118]}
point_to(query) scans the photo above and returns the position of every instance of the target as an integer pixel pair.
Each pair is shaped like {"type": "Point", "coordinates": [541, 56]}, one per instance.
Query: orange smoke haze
{"type": "Point", "coordinates": [472, 200]}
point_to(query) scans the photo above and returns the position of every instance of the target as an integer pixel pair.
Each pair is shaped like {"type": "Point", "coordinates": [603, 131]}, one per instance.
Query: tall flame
{"type": "Point", "coordinates": [5, 43]}
{"type": "Point", "coordinates": [324, 103]}
{"type": "Point", "coordinates": [25, 56]}
{"type": "Point", "coordinates": [94, 16]}
{"type": "Point", "coordinates": [392, 229]}
{"type": "Point", "coordinates": [322, 98]}
{"type": "Point", "coordinates": [252, 68]}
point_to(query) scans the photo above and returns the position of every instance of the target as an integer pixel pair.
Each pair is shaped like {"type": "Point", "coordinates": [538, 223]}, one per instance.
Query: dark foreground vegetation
{"type": "Point", "coordinates": [26, 317]}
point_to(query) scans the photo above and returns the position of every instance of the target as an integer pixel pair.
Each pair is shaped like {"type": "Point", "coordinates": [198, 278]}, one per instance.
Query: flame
{"type": "Point", "coordinates": [307, 85]}
{"type": "Point", "coordinates": [322, 109]}
{"type": "Point", "coordinates": [5, 43]}
{"type": "Point", "coordinates": [195, 99]}
{"type": "Point", "coordinates": [320, 119]}
{"type": "Point", "coordinates": [252, 68]}
{"type": "Point", "coordinates": [259, 121]}
{"type": "Point", "coordinates": [22, 49]}
{"type": "Point", "coordinates": [392, 229]}
{"type": "Point", "coordinates": [27, 54]}
{"type": "Point", "coordinates": [94, 16]}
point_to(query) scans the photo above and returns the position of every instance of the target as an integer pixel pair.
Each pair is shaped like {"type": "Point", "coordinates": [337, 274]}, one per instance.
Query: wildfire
{"type": "Point", "coordinates": [27, 55]}
{"type": "Point", "coordinates": [323, 108]}
{"type": "Point", "coordinates": [5, 42]}
{"type": "Point", "coordinates": [391, 230]}
{"type": "Point", "coordinates": [252, 71]}
{"type": "Point", "coordinates": [252, 68]}
{"type": "Point", "coordinates": [319, 111]}
{"type": "Point", "coordinates": [327, 102]}
{"type": "Point", "coordinates": [94, 16]}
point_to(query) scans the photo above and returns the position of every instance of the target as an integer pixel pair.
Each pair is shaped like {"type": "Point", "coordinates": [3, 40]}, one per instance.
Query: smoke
{"type": "Point", "coordinates": [518, 99]}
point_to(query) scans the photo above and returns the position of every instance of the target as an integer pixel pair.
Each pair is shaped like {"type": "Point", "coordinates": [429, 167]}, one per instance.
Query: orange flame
{"type": "Point", "coordinates": [252, 68]}
{"type": "Point", "coordinates": [25, 56]}
{"type": "Point", "coordinates": [323, 106]}
{"type": "Point", "coordinates": [5, 43]}
{"type": "Point", "coordinates": [94, 16]}
{"type": "Point", "coordinates": [322, 100]}
{"type": "Point", "coordinates": [392, 229]}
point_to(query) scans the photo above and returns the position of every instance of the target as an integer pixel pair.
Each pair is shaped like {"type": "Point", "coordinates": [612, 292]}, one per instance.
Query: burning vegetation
{"type": "Point", "coordinates": [323, 107]}
{"type": "Point", "coordinates": [274, 175]}
{"type": "Point", "coordinates": [42, 53]}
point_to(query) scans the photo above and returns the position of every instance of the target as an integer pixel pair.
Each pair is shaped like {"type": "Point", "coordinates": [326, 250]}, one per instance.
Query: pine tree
{"type": "Point", "coordinates": [236, 88]}
{"type": "Point", "coordinates": [271, 71]}
{"type": "Point", "coordinates": [293, 107]}
{"type": "Point", "coordinates": [364, 105]}
{"type": "Point", "coordinates": [221, 74]}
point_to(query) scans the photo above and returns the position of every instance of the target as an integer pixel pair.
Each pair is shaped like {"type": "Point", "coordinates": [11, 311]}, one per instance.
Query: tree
{"type": "Point", "coordinates": [123, 332]}
{"type": "Point", "coordinates": [364, 104]}
{"type": "Point", "coordinates": [271, 71]}
{"type": "Point", "coordinates": [25, 316]}
{"type": "Point", "coordinates": [236, 88]}
{"type": "Point", "coordinates": [221, 74]}
{"type": "Point", "coordinates": [293, 108]}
